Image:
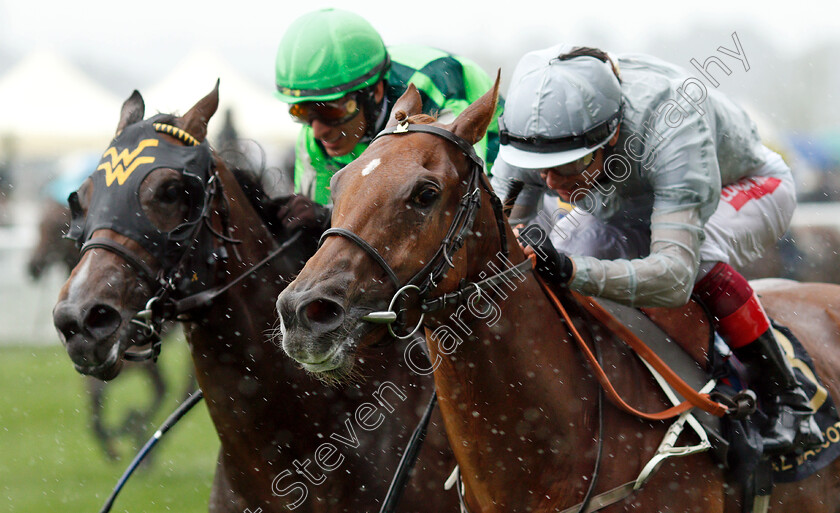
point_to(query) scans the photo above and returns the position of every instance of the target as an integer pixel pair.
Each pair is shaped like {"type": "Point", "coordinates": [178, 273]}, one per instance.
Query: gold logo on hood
{"type": "Point", "coordinates": [121, 166]}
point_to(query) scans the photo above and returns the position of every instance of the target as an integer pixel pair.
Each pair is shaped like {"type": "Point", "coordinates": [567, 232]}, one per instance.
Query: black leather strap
{"type": "Point", "coordinates": [365, 246]}
{"type": "Point", "coordinates": [461, 295]}
{"type": "Point", "coordinates": [409, 458]}
{"type": "Point", "coordinates": [466, 147]}
{"type": "Point", "coordinates": [205, 297]}
{"type": "Point", "coordinates": [127, 255]}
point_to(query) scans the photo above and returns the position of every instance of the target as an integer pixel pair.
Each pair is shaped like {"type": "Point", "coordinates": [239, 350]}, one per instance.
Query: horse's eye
{"type": "Point", "coordinates": [426, 196]}
{"type": "Point", "coordinates": [171, 192]}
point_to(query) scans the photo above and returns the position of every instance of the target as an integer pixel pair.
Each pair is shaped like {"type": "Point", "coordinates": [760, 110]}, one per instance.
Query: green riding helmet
{"type": "Point", "coordinates": [326, 54]}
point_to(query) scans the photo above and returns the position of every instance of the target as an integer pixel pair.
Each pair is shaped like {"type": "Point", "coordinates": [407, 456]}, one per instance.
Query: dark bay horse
{"type": "Point", "coordinates": [520, 404]}
{"type": "Point", "coordinates": [287, 440]}
{"type": "Point", "coordinates": [51, 249]}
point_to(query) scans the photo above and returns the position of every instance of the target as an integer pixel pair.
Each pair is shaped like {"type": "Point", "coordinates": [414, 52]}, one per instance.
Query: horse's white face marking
{"type": "Point", "coordinates": [79, 280]}
{"type": "Point", "coordinates": [373, 164]}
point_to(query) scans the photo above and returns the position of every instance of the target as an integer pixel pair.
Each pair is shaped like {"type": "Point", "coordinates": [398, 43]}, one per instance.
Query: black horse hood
{"type": "Point", "coordinates": [115, 200]}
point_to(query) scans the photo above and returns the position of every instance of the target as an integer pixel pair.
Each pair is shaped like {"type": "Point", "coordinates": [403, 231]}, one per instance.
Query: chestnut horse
{"type": "Point", "coordinates": [519, 402]}
{"type": "Point", "coordinates": [272, 419]}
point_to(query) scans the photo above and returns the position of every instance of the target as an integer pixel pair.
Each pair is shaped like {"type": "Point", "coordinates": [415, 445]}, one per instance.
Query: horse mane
{"type": "Point", "coordinates": [251, 184]}
{"type": "Point", "coordinates": [250, 181]}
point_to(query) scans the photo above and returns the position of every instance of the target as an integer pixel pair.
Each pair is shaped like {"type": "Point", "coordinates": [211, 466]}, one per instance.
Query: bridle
{"type": "Point", "coordinates": [174, 295]}
{"type": "Point", "coordinates": [170, 302]}
{"type": "Point", "coordinates": [425, 280]}
{"type": "Point", "coordinates": [430, 275]}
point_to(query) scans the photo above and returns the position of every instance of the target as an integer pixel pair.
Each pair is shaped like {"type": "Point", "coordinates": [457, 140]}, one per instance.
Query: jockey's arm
{"type": "Point", "coordinates": [528, 201]}
{"type": "Point", "coordinates": [683, 173]}
{"type": "Point", "coordinates": [663, 278]}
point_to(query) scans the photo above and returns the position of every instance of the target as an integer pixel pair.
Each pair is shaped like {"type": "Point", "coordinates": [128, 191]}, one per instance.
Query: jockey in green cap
{"type": "Point", "coordinates": [340, 82]}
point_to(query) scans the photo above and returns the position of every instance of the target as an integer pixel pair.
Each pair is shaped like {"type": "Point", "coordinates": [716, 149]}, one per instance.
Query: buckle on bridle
{"type": "Point", "coordinates": [740, 406]}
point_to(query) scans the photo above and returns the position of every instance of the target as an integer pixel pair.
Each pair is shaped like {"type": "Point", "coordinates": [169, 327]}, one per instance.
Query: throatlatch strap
{"type": "Point", "coordinates": [693, 398]}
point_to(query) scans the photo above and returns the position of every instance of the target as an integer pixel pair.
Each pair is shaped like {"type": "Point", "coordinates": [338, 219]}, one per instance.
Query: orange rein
{"type": "Point", "coordinates": [693, 398]}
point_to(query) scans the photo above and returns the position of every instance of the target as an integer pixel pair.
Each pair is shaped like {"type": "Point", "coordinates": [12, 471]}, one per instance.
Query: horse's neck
{"type": "Point", "coordinates": [514, 383]}
{"type": "Point", "coordinates": [252, 300]}
{"type": "Point", "coordinates": [246, 226]}
{"type": "Point", "coordinates": [231, 342]}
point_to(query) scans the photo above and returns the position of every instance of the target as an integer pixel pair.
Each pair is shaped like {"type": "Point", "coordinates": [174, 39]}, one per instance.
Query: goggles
{"type": "Point", "coordinates": [329, 113]}
{"type": "Point", "coordinates": [540, 144]}
{"type": "Point", "coordinates": [574, 167]}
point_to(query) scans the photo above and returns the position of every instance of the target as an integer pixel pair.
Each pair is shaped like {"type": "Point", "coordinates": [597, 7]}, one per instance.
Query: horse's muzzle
{"type": "Point", "coordinates": [311, 325]}
{"type": "Point", "coordinates": [88, 336]}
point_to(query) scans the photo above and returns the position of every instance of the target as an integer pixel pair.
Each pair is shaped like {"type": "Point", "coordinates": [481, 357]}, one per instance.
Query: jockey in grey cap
{"type": "Point", "coordinates": [670, 185]}
{"type": "Point", "coordinates": [562, 124]}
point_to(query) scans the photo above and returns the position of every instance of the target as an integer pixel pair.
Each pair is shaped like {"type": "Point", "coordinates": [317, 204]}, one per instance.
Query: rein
{"type": "Point", "coordinates": [205, 297]}
{"type": "Point", "coordinates": [592, 503]}
{"type": "Point", "coordinates": [170, 421]}
{"type": "Point", "coordinates": [693, 398]}
{"type": "Point", "coordinates": [159, 308]}
{"type": "Point", "coordinates": [655, 364]}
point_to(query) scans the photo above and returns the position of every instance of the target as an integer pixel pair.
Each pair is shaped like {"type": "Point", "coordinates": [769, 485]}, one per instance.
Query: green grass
{"type": "Point", "coordinates": [50, 460]}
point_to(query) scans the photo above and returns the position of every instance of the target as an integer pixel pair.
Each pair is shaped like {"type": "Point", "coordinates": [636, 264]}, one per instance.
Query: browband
{"type": "Point", "coordinates": [176, 132]}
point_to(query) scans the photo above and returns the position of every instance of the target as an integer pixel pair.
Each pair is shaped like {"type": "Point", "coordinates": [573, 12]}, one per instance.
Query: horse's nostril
{"type": "Point", "coordinates": [321, 311]}
{"type": "Point", "coordinates": [102, 321]}
{"type": "Point", "coordinates": [67, 327]}
{"type": "Point", "coordinates": [66, 321]}
{"type": "Point", "coordinates": [323, 314]}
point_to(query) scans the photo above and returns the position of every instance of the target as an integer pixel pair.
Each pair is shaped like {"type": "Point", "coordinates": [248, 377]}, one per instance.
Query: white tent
{"type": "Point", "coordinates": [256, 113]}
{"type": "Point", "coordinates": [48, 106]}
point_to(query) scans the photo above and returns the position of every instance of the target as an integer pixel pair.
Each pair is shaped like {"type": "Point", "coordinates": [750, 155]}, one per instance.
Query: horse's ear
{"type": "Point", "coordinates": [409, 104]}
{"type": "Point", "coordinates": [472, 124]}
{"type": "Point", "coordinates": [132, 111]}
{"type": "Point", "coordinates": [196, 119]}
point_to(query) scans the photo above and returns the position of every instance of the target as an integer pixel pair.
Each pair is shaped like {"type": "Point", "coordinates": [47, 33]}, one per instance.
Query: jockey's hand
{"type": "Point", "coordinates": [299, 212]}
{"type": "Point", "coordinates": [554, 267]}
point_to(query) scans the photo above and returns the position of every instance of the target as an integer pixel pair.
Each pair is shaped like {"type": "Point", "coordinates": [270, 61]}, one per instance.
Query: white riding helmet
{"type": "Point", "coordinates": [558, 111]}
